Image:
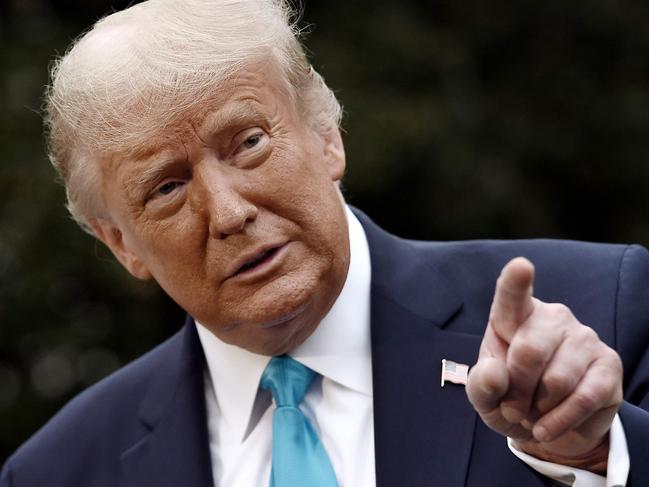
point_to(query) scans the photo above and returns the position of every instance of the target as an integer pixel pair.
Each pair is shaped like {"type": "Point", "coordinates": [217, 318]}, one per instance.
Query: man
{"type": "Point", "coordinates": [200, 146]}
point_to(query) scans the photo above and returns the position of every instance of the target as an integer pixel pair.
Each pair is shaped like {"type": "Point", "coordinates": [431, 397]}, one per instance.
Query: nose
{"type": "Point", "coordinates": [227, 209]}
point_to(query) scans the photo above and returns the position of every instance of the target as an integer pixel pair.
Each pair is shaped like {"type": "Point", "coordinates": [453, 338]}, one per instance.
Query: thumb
{"type": "Point", "coordinates": [512, 303]}
{"type": "Point", "coordinates": [487, 383]}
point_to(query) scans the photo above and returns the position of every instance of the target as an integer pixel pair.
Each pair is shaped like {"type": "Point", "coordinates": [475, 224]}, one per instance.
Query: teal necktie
{"type": "Point", "coordinates": [299, 457]}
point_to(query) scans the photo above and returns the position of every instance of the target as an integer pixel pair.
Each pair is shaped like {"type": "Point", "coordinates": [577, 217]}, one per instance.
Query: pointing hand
{"type": "Point", "coordinates": [544, 379]}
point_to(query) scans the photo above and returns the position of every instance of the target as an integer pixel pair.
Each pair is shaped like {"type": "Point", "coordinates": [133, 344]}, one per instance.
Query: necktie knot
{"type": "Point", "coordinates": [299, 458]}
{"type": "Point", "coordinates": [287, 380]}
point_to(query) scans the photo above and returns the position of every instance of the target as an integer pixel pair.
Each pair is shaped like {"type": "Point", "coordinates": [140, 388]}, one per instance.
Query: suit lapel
{"type": "Point", "coordinates": [176, 449]}
{"type": "Point", "coordinates": [423, 432]}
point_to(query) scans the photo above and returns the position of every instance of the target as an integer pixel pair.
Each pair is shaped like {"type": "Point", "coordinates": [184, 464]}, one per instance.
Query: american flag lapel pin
{"type": "Point", "coordinates": [454, 372]}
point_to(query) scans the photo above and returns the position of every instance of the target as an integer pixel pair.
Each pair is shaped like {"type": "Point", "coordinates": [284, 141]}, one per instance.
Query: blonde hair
{"type": "Point", "coordinates": [147, 67]}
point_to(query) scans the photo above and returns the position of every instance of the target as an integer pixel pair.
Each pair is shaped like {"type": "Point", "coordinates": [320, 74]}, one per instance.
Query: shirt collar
{"type": "Point", "coordinates": [339, 348]}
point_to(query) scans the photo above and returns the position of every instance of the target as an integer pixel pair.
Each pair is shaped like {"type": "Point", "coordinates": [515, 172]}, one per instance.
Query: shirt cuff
{"type": "Point", "coordinates": [617, 468]}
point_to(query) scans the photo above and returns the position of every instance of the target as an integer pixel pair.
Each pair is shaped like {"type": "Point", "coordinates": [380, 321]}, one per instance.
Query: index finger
{"type": "Point", "coordinates": [512, 303]}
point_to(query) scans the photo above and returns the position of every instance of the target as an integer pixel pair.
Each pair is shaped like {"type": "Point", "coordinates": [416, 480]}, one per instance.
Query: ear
{"type": "Point", "coordinates": [334, 153]}
{"type": "Point", "coordinates": [112, 237]}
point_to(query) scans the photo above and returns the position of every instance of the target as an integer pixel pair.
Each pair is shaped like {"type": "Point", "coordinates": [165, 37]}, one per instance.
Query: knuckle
{"type": "Point", "coordinates": [609, 387]}
{"type": "Point", "coordinates": [585, 334]}
{"type": "Point", "coordinates": [527, 355]}
{"type": "Point", "coordinates": [557, 382]}
{"type": "Point", "coordinates": [559, 312]}
{"type": "Point", "coordinates": [618, 396]}
{"type": "Point", "coordinates": [558, 423]}
{"type": "Point", "coordinates": [617, 367]}
{"type": "Point", "coordinates": [587, 401]}
{"type": "Point", "coordinates": [613, 361]}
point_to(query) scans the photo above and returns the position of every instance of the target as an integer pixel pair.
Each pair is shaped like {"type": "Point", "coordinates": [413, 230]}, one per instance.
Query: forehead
{"type": "Point", "coordinates": [258, 96]}
{"type": "Point", "coordinates": [258, 91]}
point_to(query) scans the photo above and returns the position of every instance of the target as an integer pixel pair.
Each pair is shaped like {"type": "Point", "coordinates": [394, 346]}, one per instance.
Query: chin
{"type": "Point", "coordinates": [276, 339]}
{"type": "Point", "coordinates": [281, 339]}
{"type": "Point", "coordinates": [278, 316]}
{"type": "Point", "coordinates": [268, 323]}
{"type": "Point", "coordinates": [286, 299]}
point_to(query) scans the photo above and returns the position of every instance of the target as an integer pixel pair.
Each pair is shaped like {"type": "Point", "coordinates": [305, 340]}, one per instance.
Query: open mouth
{"type": "Point", "coordinates": [257, 261]}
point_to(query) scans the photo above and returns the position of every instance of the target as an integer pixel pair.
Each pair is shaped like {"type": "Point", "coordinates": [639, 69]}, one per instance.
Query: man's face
{"type": "Point", "coordinates": [237, 215]}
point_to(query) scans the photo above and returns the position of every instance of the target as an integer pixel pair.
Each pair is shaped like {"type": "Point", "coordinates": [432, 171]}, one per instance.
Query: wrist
{"type": "Point", "coordinates": [595, 460]}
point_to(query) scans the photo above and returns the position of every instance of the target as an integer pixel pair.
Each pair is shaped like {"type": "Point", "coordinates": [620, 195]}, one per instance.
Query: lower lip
{"type": "Point", "coordinates": [264, 267]}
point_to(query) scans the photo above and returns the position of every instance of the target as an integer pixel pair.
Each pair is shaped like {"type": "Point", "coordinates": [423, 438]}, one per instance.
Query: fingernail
{"type": "Point", "coordinates": [541, 434]}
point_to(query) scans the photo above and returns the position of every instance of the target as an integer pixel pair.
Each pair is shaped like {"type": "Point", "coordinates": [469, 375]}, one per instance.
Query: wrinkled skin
{"type": "Point", "coordinates": [218, 189]}
{"type": "Point", "coordinates": [543, 378]}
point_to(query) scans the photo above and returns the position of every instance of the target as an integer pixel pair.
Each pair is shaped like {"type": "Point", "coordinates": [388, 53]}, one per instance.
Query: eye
{"type": "Point", "coordinates": [167, 188]}
{"type": "Point", "coordinates": [250, 140]}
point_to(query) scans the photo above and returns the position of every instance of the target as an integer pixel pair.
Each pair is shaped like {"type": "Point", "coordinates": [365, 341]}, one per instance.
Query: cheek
{"type": "Point", "coordinates": [173, 248]}
{"type": "Point", "coordinates": [303, 188]}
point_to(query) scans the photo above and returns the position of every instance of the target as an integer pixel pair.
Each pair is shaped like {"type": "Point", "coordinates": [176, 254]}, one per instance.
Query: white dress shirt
{"type": "Point", "coordinates": [339, 403]}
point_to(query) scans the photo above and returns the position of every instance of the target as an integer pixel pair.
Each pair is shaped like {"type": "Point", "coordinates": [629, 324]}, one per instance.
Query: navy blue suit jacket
{"type": "Point", "coordinates": [146, 424]}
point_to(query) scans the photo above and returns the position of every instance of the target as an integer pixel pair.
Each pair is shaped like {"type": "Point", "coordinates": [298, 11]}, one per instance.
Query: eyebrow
{"type": "Point", "coordinates": [239, 112]}
{"type": "Point", "coordinates": [232, 114]}
{"type": "Point", "coordinates": [153, 171]}
{"type": "Point", "coordinates": [138, 183]}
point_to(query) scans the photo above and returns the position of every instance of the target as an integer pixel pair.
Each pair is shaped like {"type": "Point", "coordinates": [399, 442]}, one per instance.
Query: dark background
{"type": "Point", "coordinates": [470, 119]}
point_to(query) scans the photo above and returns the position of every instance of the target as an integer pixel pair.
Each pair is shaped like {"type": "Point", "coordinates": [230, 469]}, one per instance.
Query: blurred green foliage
{"type": "Point", "coordinates": [469, 119]}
